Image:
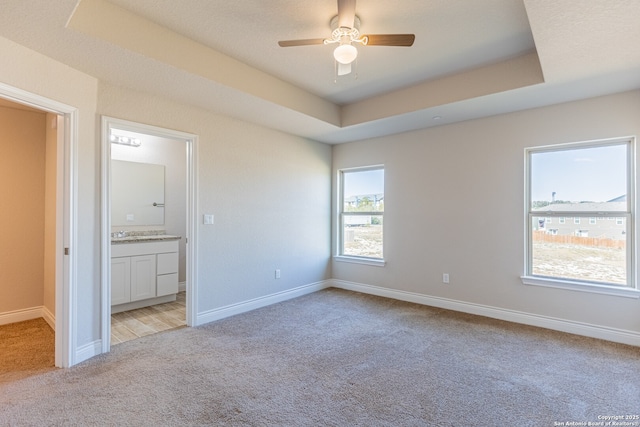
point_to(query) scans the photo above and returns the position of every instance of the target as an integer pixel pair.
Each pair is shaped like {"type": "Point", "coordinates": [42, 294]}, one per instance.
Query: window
{"type": "Point", "coordinates": [361, 213]}
{"type": "Point", "coordinates": [581, 181]}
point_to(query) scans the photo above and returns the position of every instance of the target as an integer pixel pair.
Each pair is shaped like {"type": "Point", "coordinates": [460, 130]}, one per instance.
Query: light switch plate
{"type": "Point", "coordinates": [208, 219]}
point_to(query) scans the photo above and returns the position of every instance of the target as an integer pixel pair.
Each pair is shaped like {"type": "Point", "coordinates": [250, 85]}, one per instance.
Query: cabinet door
{"type": "Point", "coordinates": [143, 277]}
{"type": "Point", "coordinates": [120, 280]}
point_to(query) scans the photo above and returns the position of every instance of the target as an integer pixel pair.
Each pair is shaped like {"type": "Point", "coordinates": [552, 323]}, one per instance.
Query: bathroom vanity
{"type": "Point", "coordinates": [144, 270]}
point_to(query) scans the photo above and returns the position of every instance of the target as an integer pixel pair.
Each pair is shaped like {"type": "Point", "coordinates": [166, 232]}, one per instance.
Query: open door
{"type": "Point", "coordinates": [65, 218]}
{"type": "Point", "coordinates": [115, 132]}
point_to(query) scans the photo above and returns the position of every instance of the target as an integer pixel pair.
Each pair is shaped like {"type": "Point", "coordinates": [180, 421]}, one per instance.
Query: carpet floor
{"type": "Point", "coordinates": [26, 348]}
{"type": "Point", "coordinates": [338, 358]}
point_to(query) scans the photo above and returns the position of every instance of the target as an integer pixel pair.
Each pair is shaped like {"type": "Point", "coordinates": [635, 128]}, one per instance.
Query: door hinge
{"type": "Point", "coordinates": [66, 251]}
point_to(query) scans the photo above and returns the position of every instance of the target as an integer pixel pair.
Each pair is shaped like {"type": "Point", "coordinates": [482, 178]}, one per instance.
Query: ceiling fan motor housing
{"type": "Point", "coordinates": [344, 35]}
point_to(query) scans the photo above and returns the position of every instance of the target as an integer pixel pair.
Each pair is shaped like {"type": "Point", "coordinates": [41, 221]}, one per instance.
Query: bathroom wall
{"type": "Point", "coordinates": [173, 155]}
{"type": "Point", "coordinates": [22, 190]}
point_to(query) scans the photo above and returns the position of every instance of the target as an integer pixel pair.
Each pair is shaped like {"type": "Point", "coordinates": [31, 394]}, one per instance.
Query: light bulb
{"type": "Point", "coordinates": [345, 53]}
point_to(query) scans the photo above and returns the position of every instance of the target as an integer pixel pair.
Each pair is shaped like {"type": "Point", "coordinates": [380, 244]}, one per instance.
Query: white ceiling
{"type": "Point", "coordinates": [471, 58]}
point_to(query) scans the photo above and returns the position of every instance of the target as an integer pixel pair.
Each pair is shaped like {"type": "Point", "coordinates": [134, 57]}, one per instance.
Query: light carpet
{"type": "Point", "coordinates": [338, 358]}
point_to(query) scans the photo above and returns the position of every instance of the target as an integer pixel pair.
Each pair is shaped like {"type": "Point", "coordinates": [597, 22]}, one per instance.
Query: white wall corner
{"type": "Point", "coordinates": [585, 329]}
{"type": "Point", "coordinates": [48, 316]}
{"type": "Point", "coordinates": [243, 307]}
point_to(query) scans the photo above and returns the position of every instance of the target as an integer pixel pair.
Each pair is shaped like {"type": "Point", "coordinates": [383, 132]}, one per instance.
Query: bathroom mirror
{"type": "Point", "coordinates": [137, 193]}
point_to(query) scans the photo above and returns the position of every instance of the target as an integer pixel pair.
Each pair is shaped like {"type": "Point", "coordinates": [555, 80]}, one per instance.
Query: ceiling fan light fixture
{"type": "Point", "coordinates": [345, 53]}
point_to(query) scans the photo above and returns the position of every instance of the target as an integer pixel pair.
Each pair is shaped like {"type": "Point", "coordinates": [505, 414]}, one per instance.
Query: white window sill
{"type": "Point", "coordinates": [581, 286]}
{"type": "Point", "coordinates": [360, 260]}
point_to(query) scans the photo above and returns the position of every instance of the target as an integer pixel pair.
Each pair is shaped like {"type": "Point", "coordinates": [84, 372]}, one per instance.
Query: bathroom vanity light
{"type": "Point", "coordinates": [125, 140]}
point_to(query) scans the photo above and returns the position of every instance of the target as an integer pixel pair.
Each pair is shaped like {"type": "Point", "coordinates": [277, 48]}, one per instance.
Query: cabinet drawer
{"type": "Point", "coordinates": [167, 284]}
{"type": "Point", "coordinates": [145, 248]}
{"type": "Point", "coordinates": [167, 263]}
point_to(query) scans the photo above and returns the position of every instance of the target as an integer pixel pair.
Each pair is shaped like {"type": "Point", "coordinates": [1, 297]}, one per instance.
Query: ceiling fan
{"type": "Point", "coordinates": [345, 32]}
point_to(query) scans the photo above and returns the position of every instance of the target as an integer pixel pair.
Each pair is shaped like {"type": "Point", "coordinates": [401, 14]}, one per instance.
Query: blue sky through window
{"type": "Point", "coordinates": [591, 174]}
{"type": "Point", "coordinates": [363, 182]}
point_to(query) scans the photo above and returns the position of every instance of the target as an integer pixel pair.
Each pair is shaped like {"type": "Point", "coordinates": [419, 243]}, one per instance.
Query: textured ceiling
{"type": "Point", "coordinates": [450, 36]}
{"type": "Point", "coordinates": [470, 59]}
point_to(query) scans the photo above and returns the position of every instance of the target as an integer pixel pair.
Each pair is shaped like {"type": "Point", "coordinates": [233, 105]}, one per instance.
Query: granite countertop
{"type": "Point", "coordinates": [141, 236]}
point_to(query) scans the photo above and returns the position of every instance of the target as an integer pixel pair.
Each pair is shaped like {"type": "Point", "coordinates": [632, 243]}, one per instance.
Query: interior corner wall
{"type": "Point", "coordinates": [22, 178]}
{"type": "Point", "coordinates": [454, 203]}
{"type": "Point", "coordinates": [35, 73]}
{"type": "Point", "coordinates": [269, 193]}
{"type": "Point", "coordinates": [50, 225]}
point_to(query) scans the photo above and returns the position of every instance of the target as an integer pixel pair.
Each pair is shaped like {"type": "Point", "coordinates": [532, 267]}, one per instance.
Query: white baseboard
{"type": "Point", "coordinates": [49, 317]}
{"type": "Point", "coordinates": [243, 307]}
{"type": "Point", "coordinates": [88, 351]}
{"type": "Point", "coordinates": [182, 286]}
{"type": "Point", "coordinates": [21, 315]}
{"type": "Point", "coordinates": [563, 325]}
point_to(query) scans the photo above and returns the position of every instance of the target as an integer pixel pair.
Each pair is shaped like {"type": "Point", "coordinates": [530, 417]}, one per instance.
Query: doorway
{"type": "Point", "coordinates": [148, 233]}
{"type": "Point", "coordinates": [62, 259]}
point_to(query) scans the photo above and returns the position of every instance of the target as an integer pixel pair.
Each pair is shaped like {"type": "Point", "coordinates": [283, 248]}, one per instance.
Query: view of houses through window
{"type": "Point", "coordinates": [362, 212]}
{"type": "Point", "coordinates": [579, 211]}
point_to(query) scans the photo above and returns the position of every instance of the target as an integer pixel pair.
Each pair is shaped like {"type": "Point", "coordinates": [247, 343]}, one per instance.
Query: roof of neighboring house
{"type": "Point", "coordinates": [585, 207]}
{"type": "Point", "coordinates": [622, 198]}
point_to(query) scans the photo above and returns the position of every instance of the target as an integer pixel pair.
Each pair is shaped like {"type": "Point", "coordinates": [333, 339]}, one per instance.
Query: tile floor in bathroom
{"type": "Point", "coordinates": [133, 324]}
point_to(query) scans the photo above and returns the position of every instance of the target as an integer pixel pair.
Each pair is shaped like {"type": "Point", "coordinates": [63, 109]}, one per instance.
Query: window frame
{"type": "Point", "coordinates": [630, 289]}
{"type": "Point", "coordinates": [340, 256]}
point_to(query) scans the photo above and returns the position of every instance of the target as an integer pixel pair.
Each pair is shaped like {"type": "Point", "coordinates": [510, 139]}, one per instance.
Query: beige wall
{"type": "Point", "coordinates": [51, 152]}
{"type": "Point", "coordinates": [454, 203]}
{"type": "Point", "coordinates": [22, 190]}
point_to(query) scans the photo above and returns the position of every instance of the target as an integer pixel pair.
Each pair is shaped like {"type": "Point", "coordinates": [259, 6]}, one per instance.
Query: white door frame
{"type": "Point", "coordinates": [66, 221]}
{"type": "Point", "coordinates": [191, 244]}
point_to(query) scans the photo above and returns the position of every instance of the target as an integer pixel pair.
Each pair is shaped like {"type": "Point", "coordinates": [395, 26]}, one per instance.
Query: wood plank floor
{"type": "Point", "coordinates": [133, 324]}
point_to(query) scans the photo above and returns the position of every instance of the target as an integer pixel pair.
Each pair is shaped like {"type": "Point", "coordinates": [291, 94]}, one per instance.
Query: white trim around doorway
{"type": "Point", "coordinates": [66, 222]}
{"type": "Point", "coordinates": [191, 141]}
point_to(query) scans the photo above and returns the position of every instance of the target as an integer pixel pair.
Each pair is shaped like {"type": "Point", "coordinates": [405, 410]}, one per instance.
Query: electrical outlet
{"type": "Point", "coordinates": [277, 273]}
{"type": "Point", "coordinates": [445, 277]}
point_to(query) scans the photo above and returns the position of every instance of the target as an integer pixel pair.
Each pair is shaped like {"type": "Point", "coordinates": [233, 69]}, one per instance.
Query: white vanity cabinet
{"type": "Point", "coordinates": [143, 270]}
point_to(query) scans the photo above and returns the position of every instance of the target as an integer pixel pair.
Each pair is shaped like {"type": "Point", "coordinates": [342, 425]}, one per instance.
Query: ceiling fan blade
{"type": "Point", "coordinates": [304, 42]}
{"type": "Point", "coordinates": [390, 39]}
{"type": "Point", "coordinates": [346, 13]}
{"type": "Point", "coordinates": [343, 69]}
